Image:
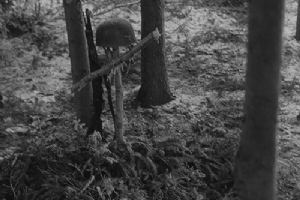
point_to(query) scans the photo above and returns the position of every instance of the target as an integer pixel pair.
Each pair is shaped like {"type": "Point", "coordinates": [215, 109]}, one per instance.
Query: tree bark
{"type": "Point", "coordinates": [98, 101]}
{"type": "Point", "coordinates": [119, 125]}
{"type": "Point", "coordinates": [154, 81]}
{"type": "Point", "coordinates": [256, 157]}
{"type": "Point", "coordinates": [298, 23]}
{"type": "Point", "coordinates": [79, 58]}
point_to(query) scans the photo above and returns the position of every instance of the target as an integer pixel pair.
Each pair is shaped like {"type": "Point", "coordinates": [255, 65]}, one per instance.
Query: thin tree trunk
{"type": "Point", "coordinates": [119, 106]}
{"type": "Point", "coordinates": [298, 23]}
{"type": "Point", "coordinates": [256, 158]}
{"type": "Point", "coordinates": [79, 58]}
{"type": "Point", "coordinates": [154, 81]}
{"type": "Point", "coordinates": [109, 97]}
{"type": "Point", "coordinates": [119, 127]}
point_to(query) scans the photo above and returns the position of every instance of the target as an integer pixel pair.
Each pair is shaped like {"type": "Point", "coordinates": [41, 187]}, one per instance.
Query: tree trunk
{"type": "Point", "coordinates": [79, 58]}
{"type": "Point", "coordinates": [256, 158]}
{"type": "Point", "coordinates": [154, 81]}
{"type": "Point", "coordinates": [298, 23]}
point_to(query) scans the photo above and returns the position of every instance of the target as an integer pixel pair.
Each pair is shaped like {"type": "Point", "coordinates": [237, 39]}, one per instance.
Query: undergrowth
{"type": "Point", "coordinates": [71, 167]}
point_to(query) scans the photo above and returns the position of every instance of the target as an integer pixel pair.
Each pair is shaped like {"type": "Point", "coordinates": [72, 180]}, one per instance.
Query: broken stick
{"type": "Point", "coordinates": [115, 63]}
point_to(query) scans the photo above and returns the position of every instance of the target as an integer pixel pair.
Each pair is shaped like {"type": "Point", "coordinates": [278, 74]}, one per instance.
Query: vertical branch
{"type": "Point", "coordinates": [119, 106]}
{"type": "Point", "coordinates": [108, 54]}
{"type": "Point", "coordinates": [98, 101]}
{"type": "Point", "coordinates": [109, 97]}
{"type": "Point", "coordinates": [119, 103]}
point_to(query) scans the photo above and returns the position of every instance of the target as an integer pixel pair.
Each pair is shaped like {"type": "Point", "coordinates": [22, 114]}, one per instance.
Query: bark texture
{"type": "Point", "coordinates": [119, 125]}
{"type": "Point", "coordinates": [79, 58]}
{"type": "Point", "coordinates": [256, 157]}
{"type": "Point", "coordinates": [98, 101]}
{"type": "Point", "coordinates": [154, 81]}
{"type": "Point", "coordinates": [298, 23]}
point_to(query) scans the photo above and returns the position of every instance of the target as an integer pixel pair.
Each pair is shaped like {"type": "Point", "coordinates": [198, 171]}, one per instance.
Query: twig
{"type": "Point", "coordinates": [88, 184]}
{"type": "Point", "coordinates": [115, 63]}
{"type": "Point", "coordinates": [11, 186]}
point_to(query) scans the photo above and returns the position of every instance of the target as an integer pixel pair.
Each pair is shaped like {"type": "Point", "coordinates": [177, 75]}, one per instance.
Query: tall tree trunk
{"type": "Point", "coordinates": [298, 23]}
{"type": "Point", "coordinates": [79, 58]}
{"type": "Point", "coordinates": [154, 82]}
{"type": "Point", "coordinates": [256, 158]}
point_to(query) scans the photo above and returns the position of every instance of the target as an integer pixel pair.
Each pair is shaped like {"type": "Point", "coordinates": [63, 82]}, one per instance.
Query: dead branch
{"type": "Point", "coordinates": [91, 180]}
{"type": "Point", "coordinates": [115, 63]}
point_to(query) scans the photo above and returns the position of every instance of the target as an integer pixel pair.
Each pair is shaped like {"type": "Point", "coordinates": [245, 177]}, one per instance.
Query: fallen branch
{"type": "Point", "coordinates": [115, 63]}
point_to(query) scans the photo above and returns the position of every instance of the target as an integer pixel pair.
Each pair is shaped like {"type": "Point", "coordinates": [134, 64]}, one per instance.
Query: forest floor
{"type": "Point", "coordinates": [198, 132]}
